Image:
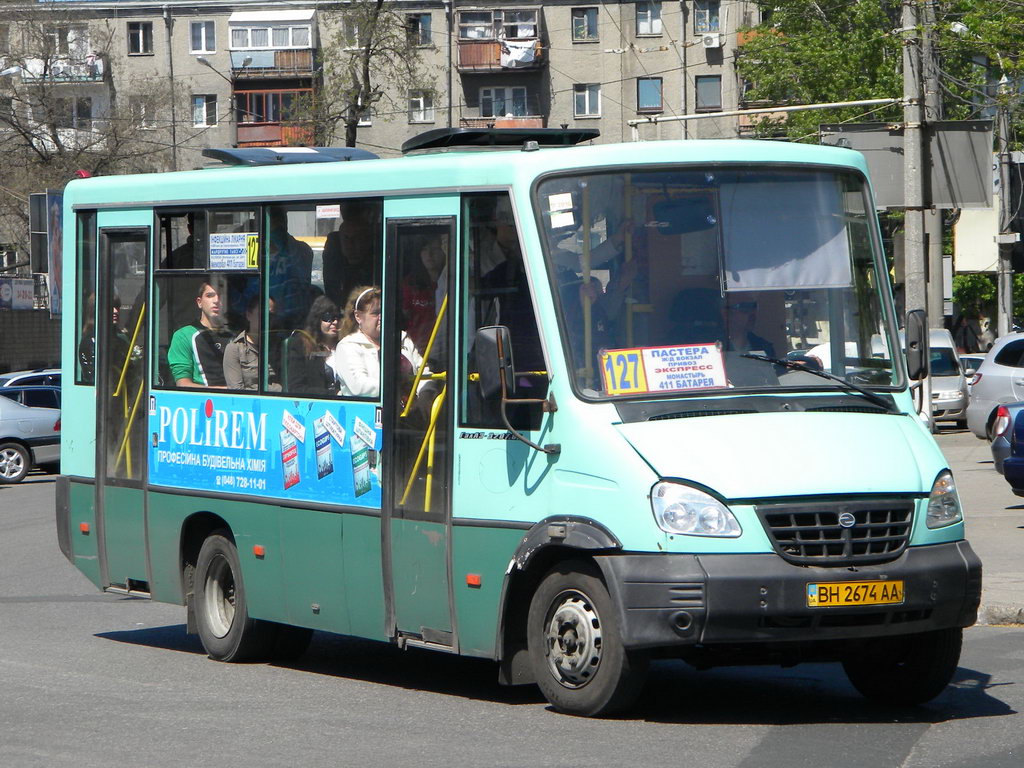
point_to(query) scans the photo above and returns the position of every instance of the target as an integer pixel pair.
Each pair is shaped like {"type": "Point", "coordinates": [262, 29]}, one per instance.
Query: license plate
{"type": "Point", "coordinates": [834, 594]}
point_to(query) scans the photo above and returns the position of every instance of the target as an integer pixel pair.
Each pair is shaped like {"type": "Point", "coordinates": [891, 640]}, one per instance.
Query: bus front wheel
{"type": "Point", "coordinates": [575, 644]}
{"type": "Point", "coordinates": [225, 628]}
{"type": "Point", "coordinates": [905, 670]}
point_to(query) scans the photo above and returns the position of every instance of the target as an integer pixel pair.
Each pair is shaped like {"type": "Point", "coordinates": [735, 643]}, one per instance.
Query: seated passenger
{"type": "Point", "coordinates": [308, 359]}
{"type": "Point", "coordinates": [423, 294]}
{"type": "Point", "coordinates": [290, 268]}
{"type": "Point", "coordinates": [242, 354]}
{"type": "Point", "coordinates": [357, 358]}
{"type": "Point", "coordinates": [196, 352]}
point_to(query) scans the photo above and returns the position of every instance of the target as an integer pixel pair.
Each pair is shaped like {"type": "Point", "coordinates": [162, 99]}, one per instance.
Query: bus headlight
{"type": "Point", "coordinates": [943, 502]}
{"type": "Point", "coordinates": [681, 509]}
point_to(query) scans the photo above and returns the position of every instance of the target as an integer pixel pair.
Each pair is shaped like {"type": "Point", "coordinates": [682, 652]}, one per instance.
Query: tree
{"type": "Point", "coordinates": [371, 58]}
{"type": "Point", "coordinates": [805, 52]}
{"type": "Point", "coordinates": [61, 112]}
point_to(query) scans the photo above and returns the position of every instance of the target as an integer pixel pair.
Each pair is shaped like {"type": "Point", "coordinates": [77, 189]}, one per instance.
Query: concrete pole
{"type": "Point", "coordinates": [933, 216]}
{"type": "Point", "coordinates": [915, 280]}
{"type": "Point", "coordinates": [1004, 284]}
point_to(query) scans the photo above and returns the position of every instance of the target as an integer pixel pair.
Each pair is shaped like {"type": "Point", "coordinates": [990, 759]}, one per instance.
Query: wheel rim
{"type": "Point", "coordinates": [219, 590]}
{"type": "Point", "coordinates": [572, 639]}
{"type": "Point", "coordinates": [12, 463]}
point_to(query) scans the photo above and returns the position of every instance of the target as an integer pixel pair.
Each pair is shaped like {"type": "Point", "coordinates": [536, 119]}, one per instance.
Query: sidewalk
{"type": "Point", "coordinates": [995, 525]}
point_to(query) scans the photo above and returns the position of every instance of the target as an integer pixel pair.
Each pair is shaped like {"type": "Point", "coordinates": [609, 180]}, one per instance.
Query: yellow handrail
{"type": "Point", "coordinates": [427, 444]}
{"type": "Point", "coordinates": [128, 356]}
{"type": "Point", "coordinates": [125, 449]}
{"type": "Point", "coordinates": [425, 356]}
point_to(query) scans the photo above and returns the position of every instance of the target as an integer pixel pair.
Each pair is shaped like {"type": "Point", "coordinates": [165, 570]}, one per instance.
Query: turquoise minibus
{"type": "Point", "coordinates": [564, 406]}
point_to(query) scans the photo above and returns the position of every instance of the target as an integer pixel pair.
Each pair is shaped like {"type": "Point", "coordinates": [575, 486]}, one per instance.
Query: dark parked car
{"type": "Point", "coordinates": [1013, 464]}
{"type": "Point", "coordinates": [34, 397]}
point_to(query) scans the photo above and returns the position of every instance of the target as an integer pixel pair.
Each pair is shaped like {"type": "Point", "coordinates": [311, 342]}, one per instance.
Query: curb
{"type": "Point", "coordinates": [1000, 613]}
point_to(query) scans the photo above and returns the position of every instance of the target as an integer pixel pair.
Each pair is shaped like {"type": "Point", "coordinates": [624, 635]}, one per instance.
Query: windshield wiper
{"type": "Point", "coordinates": [889, 405]}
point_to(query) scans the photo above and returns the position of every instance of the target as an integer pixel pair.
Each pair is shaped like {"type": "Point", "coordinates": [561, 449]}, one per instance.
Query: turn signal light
{"type": "Point", "coordinates": [473, 579]}
{"type": "Point", "coordinates": [259, 550]}
{"type": "Point", "coordinates": [84, 528]}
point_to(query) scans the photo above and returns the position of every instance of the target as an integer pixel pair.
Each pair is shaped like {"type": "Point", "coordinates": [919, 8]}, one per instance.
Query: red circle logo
{"type": "Point", "coordinates": [209, 408]}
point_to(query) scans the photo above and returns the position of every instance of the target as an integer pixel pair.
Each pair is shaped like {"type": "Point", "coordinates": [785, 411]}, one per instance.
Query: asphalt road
{"type": "Point", "coordinates": [88, 679]}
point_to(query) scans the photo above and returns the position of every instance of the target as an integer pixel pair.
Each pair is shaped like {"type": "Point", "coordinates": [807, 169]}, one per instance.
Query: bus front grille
{"type": "Point", "coordinates": [839, 533]}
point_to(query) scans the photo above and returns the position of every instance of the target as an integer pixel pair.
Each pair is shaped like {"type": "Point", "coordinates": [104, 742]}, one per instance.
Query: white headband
{"type": "Point", "coordinates": [359, 298]}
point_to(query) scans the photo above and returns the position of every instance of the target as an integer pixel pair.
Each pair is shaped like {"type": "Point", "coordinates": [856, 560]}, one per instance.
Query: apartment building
{"type": "Point", "coordinates": [201, 73]}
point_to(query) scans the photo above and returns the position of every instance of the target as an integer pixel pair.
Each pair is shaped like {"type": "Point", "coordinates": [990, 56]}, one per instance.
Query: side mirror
{"type": "Point", "coordinates": [492, 357]}
{"type": "Point", "coordinates": [918, 354]}
{"type": "Point", "coordinates": [969, 373]}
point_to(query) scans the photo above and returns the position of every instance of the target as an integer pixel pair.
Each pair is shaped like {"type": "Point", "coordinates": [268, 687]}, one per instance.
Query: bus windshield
{"type": "Point", "coordinates": [669, 281]}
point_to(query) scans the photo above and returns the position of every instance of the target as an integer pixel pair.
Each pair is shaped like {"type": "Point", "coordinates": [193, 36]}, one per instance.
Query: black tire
{"type": "Point", "coordinates": [905, 670]}
{"type": "Point", "coordinates": [15, 462]}
{"type": "Point", "coordinates": [225, 628]}
{"type": "Point", "coordinates": [575, 644]}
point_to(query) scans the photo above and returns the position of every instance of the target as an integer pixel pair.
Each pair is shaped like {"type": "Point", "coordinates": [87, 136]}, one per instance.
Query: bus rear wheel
{"type": "Point", "coordinates": [225, 628]}
{"type": "Point", "coordinates": [905, 670]}
{"type": "Point", "coordinates": [575, 644]}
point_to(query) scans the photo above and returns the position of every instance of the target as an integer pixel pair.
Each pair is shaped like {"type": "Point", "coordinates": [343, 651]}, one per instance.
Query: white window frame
{"type": "Point", "coordinates": [508, 96]}
{"type": "Point", "coordinates": [207, 36]}
{"type": "Point", "coordinates": [140, 38]}
{"type": "Point", "coordinates": [703, 19]}
{"type": "Point", "coordinates": [648, 18]}
{"type": "Point", "coordinates": [585, 14]}
{"type": "Point", "coordinates": [500, 24]}
{"type": "Point", "coordinates": [71, 109]}
{"type": "Point", "coordinates": [421, 106]}
{"type": "Point", "coordinates": [143, 111]}
{"type": "Point", "coordinates": [591, 93]}
{"type": "Point", "coordinates": [415, 27]}
{"type": "Point", "coordinates": [661, 95]}
{"type": "Point", "coordinates": [209, 106]}
{"type": "Point", "coordinates": [240, 36]}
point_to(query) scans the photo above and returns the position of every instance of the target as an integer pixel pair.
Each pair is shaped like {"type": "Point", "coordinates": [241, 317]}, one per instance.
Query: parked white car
{"type": "Point", "coordinates": [999, 380]}
{"type": "Point", "coordinates": [29, 437]}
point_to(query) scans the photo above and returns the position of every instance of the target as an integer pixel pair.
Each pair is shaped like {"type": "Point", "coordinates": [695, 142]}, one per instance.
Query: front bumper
{"type": "Point", "coordinates": [666, 600]}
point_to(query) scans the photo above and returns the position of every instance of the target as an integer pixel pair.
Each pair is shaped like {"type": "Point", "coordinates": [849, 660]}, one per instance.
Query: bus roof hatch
{"type": "Point", "coordinates": [287, 155]}
{"type": "Point", "coordinates": [441, 139]}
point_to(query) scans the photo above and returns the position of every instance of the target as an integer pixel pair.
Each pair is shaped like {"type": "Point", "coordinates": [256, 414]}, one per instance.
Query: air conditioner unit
{"type": "Point", "coordinates": [711, 40]}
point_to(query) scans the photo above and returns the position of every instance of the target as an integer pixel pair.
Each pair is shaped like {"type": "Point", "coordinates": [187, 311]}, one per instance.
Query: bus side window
{"type": "Point", "coordinates": [498, 293]}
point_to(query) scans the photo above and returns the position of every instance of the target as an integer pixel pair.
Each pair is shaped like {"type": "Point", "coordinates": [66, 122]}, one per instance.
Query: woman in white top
{"type": "Point", "coordinates": [356, 359]}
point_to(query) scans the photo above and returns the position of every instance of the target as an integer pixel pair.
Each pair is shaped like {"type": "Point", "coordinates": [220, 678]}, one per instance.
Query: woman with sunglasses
{"type": "Point", "coordinates": [310, 350]}
{"type": "Point", "coordinates": [357, 358]}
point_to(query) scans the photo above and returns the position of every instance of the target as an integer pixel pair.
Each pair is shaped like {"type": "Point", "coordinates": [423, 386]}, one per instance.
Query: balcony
{"type": "Point", "coordinates": [253, 65]}
{"type": "Point", "coordinates": [88, 69]}
{"type": "Point", "coordinates": [500, 55]}
{"type": "Point", "coordinates": [526, 121]}
{"type": "Point", "coordinates": [273, 135]}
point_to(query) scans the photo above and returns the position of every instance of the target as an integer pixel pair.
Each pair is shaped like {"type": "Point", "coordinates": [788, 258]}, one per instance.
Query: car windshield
{"type": "Point", "coordinates": [944, 362]}
{"type": "Point", "coordinates": [669, 281]}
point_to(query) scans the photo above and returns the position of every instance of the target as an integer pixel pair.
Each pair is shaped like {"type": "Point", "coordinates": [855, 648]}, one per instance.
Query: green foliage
{"type": "Point", "coordinates": [808, 52]}
{"type": "Point", "coordinates": [974, 293]}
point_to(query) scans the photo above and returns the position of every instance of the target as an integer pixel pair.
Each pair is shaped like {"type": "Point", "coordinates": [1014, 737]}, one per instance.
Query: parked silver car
{"type": "Point", "coordinates": [47, 376]}
{"type": "Point", "coordinates": [29, 437]}
{"type": "Point", "coordinates": [998, 381]}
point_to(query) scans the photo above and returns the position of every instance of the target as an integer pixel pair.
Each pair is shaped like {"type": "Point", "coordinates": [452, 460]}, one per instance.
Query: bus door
{"type": "Point", "coordinates": [120, 349]}
{"type": "Point", "coordinates": [417, 436]}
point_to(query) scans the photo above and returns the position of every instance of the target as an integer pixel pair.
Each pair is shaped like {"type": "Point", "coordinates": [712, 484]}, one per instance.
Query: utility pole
{"type": "Point", "coordinates": [914, 280]}
{"type": "Point", "coordinates": [933, 216]}
{"type": "Point", "coordinates": [1004, 285]}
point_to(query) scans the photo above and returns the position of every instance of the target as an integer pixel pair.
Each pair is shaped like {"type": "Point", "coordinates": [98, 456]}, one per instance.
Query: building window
{"type": "Point", "coordinates": [705, 16]}
{"type": "Point", "coordinates": [142, 112]}
{"type": "Point", "coordinates": [648, 94]}
{"type": "Point", "coordinates": [584, 25]}
{"type": "Point", "coordinates": [709, 93]}
{"type": "Point", "coordinates": [421, 107]}
{"type": "Point", "coordinates": [648, 18]}
{"type": "Point", "coordinates": [587, 99]}
{"type": "Point", "coordinates": [270, 38]}
{"type": "Point", "coordinates": [503, 102]}
{"type": "Point", "coordinates": [266, 106]}
{"type": "Point", "coordinates": [5, 39]}
{"type": "Point", "coordinates": [494, 25]}
{"type": "Point", "coordinates": [418, 28]}
{"type": "Point", "coordinates": [204, 110]}
{"type": "Point", "coordinates": [61, 40]}
{"type": "Point", "coordinates": [75, 114]}
{"type": "Point", "coordinates": [365, 118]}
{"type": "Point", "coordinates": [203, 37]}
{"type": "Point", "coordinates": [140, 38]}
